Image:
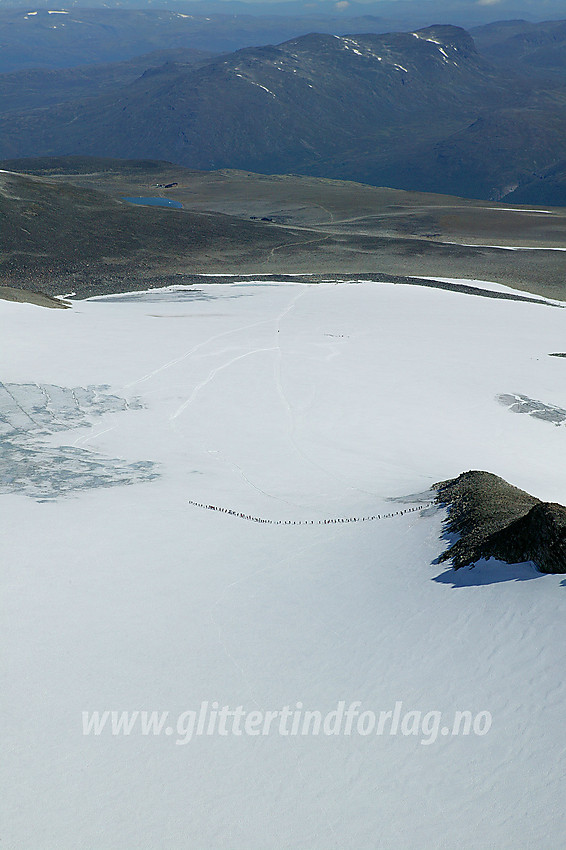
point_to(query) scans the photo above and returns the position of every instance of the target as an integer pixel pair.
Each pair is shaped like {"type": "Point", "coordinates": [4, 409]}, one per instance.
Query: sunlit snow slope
{"type": "Point", "coordinates": [284, 402]}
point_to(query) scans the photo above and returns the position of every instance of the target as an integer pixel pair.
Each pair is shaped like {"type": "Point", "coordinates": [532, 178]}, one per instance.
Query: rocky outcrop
{"type": "Point", "coordinates": [496, 520]}
{"type": "Point", "coordinates": [540, 537]}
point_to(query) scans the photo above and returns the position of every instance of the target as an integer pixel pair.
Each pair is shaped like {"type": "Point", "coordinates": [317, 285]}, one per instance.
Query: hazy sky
{"type": "Point", "coordinates": [486, 9]}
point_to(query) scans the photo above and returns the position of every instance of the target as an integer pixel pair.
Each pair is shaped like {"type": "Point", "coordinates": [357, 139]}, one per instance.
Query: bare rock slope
{"type": "Point", "coordinates": [496, 520]}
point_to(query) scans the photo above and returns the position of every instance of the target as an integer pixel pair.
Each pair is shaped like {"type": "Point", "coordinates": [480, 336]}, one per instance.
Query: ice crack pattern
{"type": "Point", "coordinates": [537, 409]}
{"type": "Point", "coordinates": [32, 467]}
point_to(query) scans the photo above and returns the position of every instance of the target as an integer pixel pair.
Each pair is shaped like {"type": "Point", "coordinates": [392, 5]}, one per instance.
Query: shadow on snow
{"type": "Point", "coordinates": [489, 572]}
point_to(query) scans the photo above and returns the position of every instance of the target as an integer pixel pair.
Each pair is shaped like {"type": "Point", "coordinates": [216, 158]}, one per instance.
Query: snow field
{"type": "Point", "coordinates": [292, 402]}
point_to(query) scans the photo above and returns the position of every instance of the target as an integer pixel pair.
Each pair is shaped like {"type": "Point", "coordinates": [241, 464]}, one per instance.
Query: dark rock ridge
{"type": "Point", "coordinates": [496, 520]}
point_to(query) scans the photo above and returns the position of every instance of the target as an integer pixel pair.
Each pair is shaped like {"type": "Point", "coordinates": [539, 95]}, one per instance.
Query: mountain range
{"type": "Point", "coordinates": [42, 37]}
{"type": "Point", "coordinates": [525, 47]}
{"type": "Point", "coordinates": [423, 110]}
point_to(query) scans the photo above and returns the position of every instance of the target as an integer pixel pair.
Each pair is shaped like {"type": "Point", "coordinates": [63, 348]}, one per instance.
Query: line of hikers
{"type": "Point", "coordinates": [308, 521]}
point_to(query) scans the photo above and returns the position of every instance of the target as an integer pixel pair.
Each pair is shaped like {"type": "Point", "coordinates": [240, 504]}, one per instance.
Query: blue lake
{"type": "Point", "coordinates": [155, 202]}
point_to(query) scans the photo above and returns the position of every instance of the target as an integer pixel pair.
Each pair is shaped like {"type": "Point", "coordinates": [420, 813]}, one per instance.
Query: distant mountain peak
{"type": "Point", "coordinates": [449, 35]}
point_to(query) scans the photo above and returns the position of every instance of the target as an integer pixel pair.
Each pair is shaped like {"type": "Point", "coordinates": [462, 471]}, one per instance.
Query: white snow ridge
{"type": "Point", "coordinates": [309, 678]}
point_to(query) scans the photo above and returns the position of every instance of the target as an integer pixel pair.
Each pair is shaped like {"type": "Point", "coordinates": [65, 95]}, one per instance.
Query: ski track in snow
{"type": "Point", "coordinates": [285, 400]}
{"type": "Point", "coordinates": [210, 377]}
{"type": "Point", "coordinates": [192, 351]}
{"type": "Point", "coordinates": [278, 379]}
{"type": "Point", "coordinates": [214, 372]}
